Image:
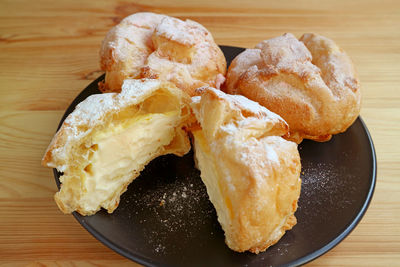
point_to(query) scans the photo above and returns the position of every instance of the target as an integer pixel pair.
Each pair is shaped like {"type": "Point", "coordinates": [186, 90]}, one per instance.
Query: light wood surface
{"type": "Point", "coordinates": [49, 53]}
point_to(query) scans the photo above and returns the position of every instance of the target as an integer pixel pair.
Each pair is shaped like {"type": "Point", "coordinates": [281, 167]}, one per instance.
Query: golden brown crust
{"type": "Point", "coordinates": [148, 45]}
{"type": "Point", "coordinates": [251, 173]}
{"type": "Point", "coordinates": [290, 222]}
{"type": "Point", "coordinates": [311, 83]}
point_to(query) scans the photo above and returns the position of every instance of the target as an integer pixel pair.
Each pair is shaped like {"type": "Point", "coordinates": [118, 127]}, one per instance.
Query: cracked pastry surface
{"type": "Point", "coordinates": [251, 173]}
{"type": "Point", "coordinates": [310, 82]}
{"type": "Point", "coordinates": [149, 45]}
{"type": "Point", "coordinates": [109, 138]}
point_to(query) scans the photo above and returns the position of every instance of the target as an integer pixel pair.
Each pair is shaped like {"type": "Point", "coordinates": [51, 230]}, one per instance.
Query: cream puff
{"type": "Point", "coordinates": [108, 139]}
{"type": "Point", "coordinates": [311, 83]}
{"type": "Point", "coordinates": [252, 174]}
{"type": "Point", "coordinates": [149, 45]}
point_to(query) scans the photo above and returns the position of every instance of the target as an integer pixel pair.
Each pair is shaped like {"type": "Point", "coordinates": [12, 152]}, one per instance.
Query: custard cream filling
{"type": "Point", "coordinates": [121, 151]}
{"type": "Point", "coordinates": [212, 179]}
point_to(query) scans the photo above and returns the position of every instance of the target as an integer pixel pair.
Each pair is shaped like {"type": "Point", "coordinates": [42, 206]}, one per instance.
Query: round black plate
{"type": "Point", "coordinates": [165, 217]}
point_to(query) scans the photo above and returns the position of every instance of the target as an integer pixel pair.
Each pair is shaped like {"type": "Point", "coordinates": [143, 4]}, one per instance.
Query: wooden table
{"type": "Point", "coordinates": [49, 53]}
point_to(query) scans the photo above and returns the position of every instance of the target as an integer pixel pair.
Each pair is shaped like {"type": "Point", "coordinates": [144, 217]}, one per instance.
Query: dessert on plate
{"type": "Point", "coordinates": [109, 138]}
{"type": "Point", "coordinates": [311, 83]}
{"type": "Point", "coordinates": [252, 174]}
{"type": "Point", "coordinates": [250, 166]}
{"type": "Point", "coordinates": [149, 45]}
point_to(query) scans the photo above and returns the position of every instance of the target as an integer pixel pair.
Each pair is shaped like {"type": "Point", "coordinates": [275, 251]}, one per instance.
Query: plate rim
{"type": "Point", "coordinates": [300, 261]}
{"type": "Point", "coordinates": [336, 241]}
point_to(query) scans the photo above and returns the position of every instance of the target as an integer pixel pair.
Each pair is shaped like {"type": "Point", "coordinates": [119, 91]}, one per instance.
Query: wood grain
{"type": "Point", "coordinates": [49, 53]}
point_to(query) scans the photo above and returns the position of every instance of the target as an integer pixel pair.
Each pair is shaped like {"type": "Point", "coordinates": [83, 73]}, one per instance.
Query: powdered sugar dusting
{"type": "Point", "coordinates": [135, 90]}
{"type": "Point", "coordinates": [239, 65]}
{"type": "Point", "coordinates": [284, 51]}
{"type": "Point", "coordinates": [251, 118]}
{"type": "Point", "coordinates": [312, 72]}
{"type": "Point", "coordinates": [133, 49]}
{"type": "Point", "coordinates": [177, 30]}
{"type": "Point", "coordinates": [92, 112]}
{"type": "Point", "coordinates": [132, 33]}
{"type": "Point", "coordinates": [147, 20]}
{"type": "Point", "coordinates": [336, 67]}
{"type": "Point", "coordinates": [196, 99]}
{"type": "Point", "coordinates": [323, 184]}
{"type": "Point", "coordinates": [255, 108]}
{"type": "Point", "coordinates": [271, 153]}
{"type": "Point", "coordinates": [169, 205]}
{"type": "Point", "coordinates": [244, 103]}
{"type": "Point", "coordinates": [229, 128]}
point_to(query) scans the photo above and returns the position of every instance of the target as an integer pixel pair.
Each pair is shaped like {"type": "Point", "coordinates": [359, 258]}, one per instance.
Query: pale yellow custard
{"type": "Point", "coordinates": [121, 149]}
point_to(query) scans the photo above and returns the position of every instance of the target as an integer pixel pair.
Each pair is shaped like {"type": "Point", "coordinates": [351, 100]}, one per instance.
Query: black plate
{"type": "Point", "coordinates": [338, 182]}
